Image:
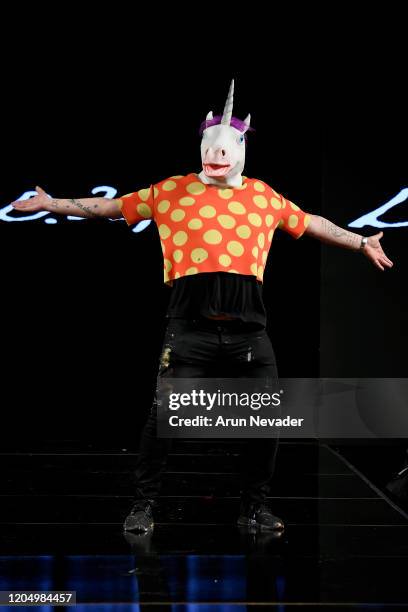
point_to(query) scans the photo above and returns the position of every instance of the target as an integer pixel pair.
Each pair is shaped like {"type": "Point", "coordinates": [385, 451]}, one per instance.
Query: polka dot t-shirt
{"type": "Point", "coordinates": [205, 228]}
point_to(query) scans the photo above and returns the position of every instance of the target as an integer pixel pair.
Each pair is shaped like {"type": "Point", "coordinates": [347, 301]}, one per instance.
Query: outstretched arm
{"type": "Point", "coordinates": [325, 231]}
{"type": "Point", "coordinates": [84, 207]}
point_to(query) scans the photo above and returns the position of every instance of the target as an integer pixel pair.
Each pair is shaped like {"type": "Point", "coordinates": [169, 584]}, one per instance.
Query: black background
{"type": "Point", "coordinates": [117, 100]}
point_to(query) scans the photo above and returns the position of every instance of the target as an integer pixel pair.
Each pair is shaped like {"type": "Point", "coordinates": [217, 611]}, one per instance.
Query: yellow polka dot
{"type": "Point", "coordinates": [243, 231]}
{"type": "Point", "coordinates": [195, 224]}
{"type": "Point", "coordinates": [212, 236]}
{"type": "Point", "coordinates": [260, 272]}
{"type": "Point", "coordinates": [127, 195]}
{"type": "Point", "coordinates": [144, 210]}
{"type": "Point", "coordinates": [192, 270]}
{"type": "Point", "coordinates": [294, 206]}
{"type": "Point", "coordinates": [276, 203]}
{"type": "Point", "coordinates": [169, 186]}
{"type": "Point", "coordinates": [163, 206]}
{"type": "Point", "coordinates": [225, 193]}
{"type": "Point", "coordinates": [235, 248]}
{"type": "Point", "coordinates": [144, 194]}
{"type": "Point", "coordinates": [178, 255]}
{"type": "Point", "coordinates": [255, 219]}
{"type": "Point", "coordinates": [187, 201]}
{"type": "Point", "coordinates": [243, 186]}
{"type": "Point", "coordinates": [177, 275]}
{"type": "Point", "coordinates": [270, 235]}
{"type": "Point", "coordinates": [163, 247]}
{"type": "Point", "coordinates": [261, 240]}
{"type": "Point", "coordinates": [226, 221]}
{"type": "Point", "coordinates": [307, 219]}
{"type": "Point", "coordinates": [198, 255]}
{"type": "Point", "coordinates": [258, 186]}
{"type": "Point", "coordinates": [155, 192]}
{"type": "Point", "coordinates": [255, 251]}
{"type": "Point", "coordinates": [269, 220]}
{"type": "Point", "coordinates": [293, 221]}
{"type": "Point", "coordinates": [237, 208]}
{"type": "Point", "coordinates": [254, 268]}
{"type": "Point", "coordinates": [166, 276]}
{"type": "Point", "coordinates": [207, 212]}
{"type": "Point", "coordinates": [225, 260]}
{"type": "Point", "coordinates": [168, 265]}
{"type": "Point", "coordinates": [260, 201]}
{"type": "Point", "coordinates": [180, 238]}
{"type": "Point", "coordinates": [264, 256]}
{"type": "Point", "coordinates": [177, 176]}
{"type": "Point", "coordinates": [234, 271]}
{"type": "Point", "coordinates": [196, 188]}
{"type": "Point", "coordinates": [177, 214]}
{"type": "Point", "coordinates": [164, 231]}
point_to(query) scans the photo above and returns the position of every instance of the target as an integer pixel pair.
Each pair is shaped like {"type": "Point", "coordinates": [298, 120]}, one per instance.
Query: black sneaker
{"type": "Point", "coordinates": [140, 518]}
{"type": "Point", "coordinates": [256, 514]}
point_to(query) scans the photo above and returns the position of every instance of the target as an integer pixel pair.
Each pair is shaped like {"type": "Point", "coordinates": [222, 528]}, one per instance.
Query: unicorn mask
{"type": "Point", "coordinates": [223, 146]}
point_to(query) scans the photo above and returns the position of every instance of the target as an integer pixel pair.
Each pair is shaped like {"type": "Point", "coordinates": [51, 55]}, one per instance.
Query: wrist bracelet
{"type": "Point", "coordinates": [363, 243]}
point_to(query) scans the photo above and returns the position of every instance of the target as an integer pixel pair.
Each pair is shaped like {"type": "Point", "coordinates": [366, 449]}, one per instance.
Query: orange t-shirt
{"type": "Point", "coordinates": [205, 228]}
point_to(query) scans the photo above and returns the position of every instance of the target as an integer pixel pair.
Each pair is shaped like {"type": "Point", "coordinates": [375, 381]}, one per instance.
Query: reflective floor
{"type": "Point", "coordinates": [62, 508]}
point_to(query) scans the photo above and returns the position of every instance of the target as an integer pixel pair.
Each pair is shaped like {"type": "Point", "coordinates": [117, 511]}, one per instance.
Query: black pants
{"type": "Point", "coordinates": [202, 348]}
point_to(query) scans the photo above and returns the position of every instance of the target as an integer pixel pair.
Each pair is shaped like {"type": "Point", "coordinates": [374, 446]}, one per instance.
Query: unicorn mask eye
{"type": "Point", "coordinates": [241, 139]}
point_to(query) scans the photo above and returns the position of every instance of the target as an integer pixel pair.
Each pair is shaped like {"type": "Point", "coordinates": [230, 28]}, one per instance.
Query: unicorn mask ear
{"type": "Point", "coordinates": [210, 116]}
{"type": "Point", "coordinates": [247, 122]}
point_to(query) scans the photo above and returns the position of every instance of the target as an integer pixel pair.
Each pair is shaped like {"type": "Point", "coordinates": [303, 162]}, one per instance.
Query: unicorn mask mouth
{"type": "Point", "coordinates": [216, 169]}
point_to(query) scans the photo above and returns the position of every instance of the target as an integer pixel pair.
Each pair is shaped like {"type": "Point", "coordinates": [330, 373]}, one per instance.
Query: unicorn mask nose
{"type": "Point", "coordinates": [216, 162]}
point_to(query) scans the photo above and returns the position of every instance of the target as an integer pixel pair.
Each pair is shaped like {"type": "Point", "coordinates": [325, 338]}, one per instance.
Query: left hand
{"type": "Point", "coordinates": [375, 254]}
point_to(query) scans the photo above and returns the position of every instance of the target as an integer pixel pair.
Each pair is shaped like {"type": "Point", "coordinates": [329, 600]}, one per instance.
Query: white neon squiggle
{"type": "Point", "coordinates": [371, 218]}
{"type": "Point", "coordinates": [8, 208]}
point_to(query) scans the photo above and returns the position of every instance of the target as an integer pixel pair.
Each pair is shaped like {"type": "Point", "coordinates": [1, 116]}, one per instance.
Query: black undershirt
{"type": "Point", "coordinates": [217, 293]}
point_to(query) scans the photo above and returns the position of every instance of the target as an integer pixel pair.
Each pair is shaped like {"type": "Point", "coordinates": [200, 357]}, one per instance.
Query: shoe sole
{"type": "Point", "coordinates": [246, 522]}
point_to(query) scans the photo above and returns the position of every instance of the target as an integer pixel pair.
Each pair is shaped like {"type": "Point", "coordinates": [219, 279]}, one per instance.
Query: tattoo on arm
{"type": "Point", "coordinates": [85, 209]}
{"type": "Point", "coordinates": [350, 239]}
{"type": "Point", "coordinates": [63, 206]}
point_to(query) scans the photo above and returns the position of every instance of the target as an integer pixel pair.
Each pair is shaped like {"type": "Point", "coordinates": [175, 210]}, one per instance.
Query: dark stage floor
{"type": "Point", "coordinates": [62, 508]}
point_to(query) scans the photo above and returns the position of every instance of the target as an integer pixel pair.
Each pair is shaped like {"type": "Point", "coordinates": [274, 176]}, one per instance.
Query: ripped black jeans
{"type": "Point", "coordinates": [201, 348]}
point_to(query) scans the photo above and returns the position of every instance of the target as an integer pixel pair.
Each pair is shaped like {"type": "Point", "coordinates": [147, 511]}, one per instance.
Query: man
{"type": "Point", "coordinates": [215, 228]}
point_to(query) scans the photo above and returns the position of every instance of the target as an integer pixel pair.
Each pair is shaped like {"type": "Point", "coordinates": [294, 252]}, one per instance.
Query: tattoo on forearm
{"type": "Point", "coordinates": [85, 209]}
{"type": "Point", "coordinates": [75, 204]}
{"type": "Point", "coordinates": [350, 239]}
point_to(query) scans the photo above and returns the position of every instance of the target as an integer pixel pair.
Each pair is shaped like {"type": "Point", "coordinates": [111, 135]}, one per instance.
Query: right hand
{"type": "Point", "coordinates": [41, 201]}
